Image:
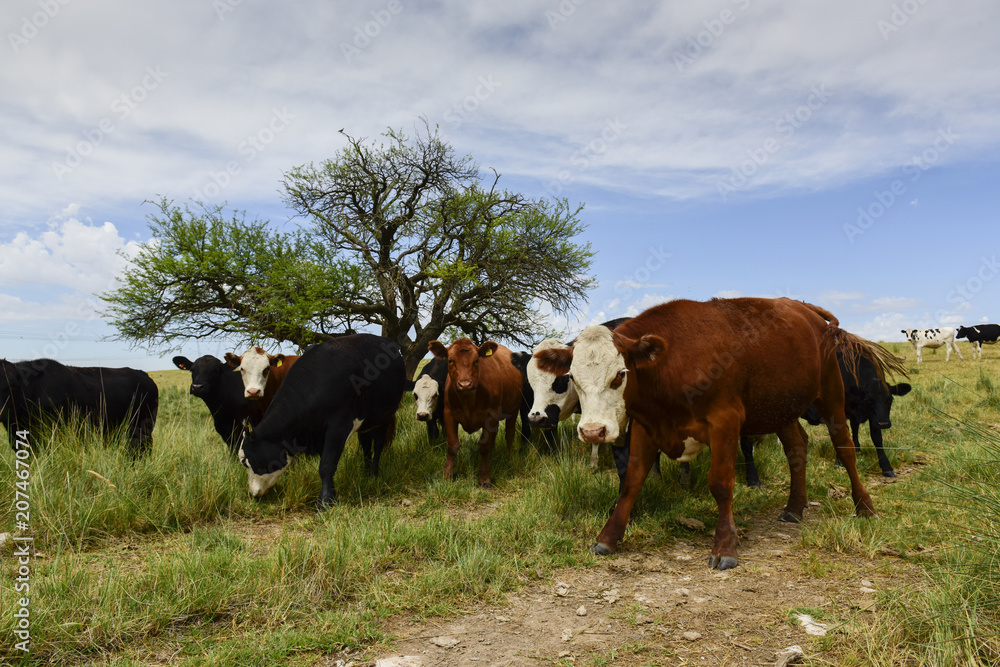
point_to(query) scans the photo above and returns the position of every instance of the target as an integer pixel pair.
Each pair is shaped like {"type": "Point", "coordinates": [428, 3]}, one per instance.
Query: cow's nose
{"type": "Point", "coordinates": [885, 424]}
{"type": "Point", "coordinates": [423, 416]}
{"type": "Point", "coordinates": [465, 385]}
{"type": "Point", "coordinates": [593, 432]}
{"type": "Point", "coordinates": [253, 393]}
{"type": "Point", "coordinates": [536, 418]}
{"type": "Point", "coordinates": [197, 388]}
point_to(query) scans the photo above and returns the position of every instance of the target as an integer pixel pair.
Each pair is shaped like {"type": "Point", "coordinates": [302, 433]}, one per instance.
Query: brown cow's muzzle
{"type": "Point", "coordinates": [593, 433]}
{"type": "Point", "coordinates": [465, 385]}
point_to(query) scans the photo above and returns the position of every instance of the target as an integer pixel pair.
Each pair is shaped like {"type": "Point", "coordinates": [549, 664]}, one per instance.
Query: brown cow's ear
{"type": "Point", "coordinates": [646, 350]}
{"type": "Point", "coordinates": [232, 360]}
{"type": "Point", "coordinates": [277, 360]}
{"type": "Point", "coordinates": [555, 360]}
{"type": "Point", "coordinates": [487, 349]}
{"type": "Point", "coordinates": [437, 349]}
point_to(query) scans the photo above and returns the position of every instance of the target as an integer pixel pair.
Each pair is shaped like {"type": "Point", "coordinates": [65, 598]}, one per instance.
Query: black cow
{"type": "Point", "coordinates": [352, 383]}
{"type": "Point", "coordinates": [520, 361]}
{"type": "Point", "coordinates": [869, 399]}
{"type": "Point", "coordinates": [33, 392]}
{"type": "Point", "coordinates": [979, 334]}
{"type": "Point", "coordinates": [428, 395]}
{"type": "Point", "coordinates": [214, 382]}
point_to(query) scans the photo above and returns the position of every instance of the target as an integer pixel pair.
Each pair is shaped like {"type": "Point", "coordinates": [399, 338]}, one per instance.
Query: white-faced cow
{"type": "Point", "coordinates": [483, 388]}
{"type": "Point", "coordinates": [933, 338]}
{"type": "Point", "coordinates": [262, 373]}
{"type": "Point", "coordinates": [692, 374]}
{"type": "Point", "coordinates": [520, 360]}
{"type": "Point", "coordinates": [867, 398]}
{"type": "Point", "coordinates": [979, 335]}
{"type": "Point", "coordinates": [428, 395]}
{"type": "Point", "coordinates": [43, 391]}
{"type": "Point", "coordinates": [349, 384]}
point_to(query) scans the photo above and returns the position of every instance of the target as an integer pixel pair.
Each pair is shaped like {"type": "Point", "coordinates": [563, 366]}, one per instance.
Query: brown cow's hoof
{"type": "Point", "coordinates": [723, 562]}
{"type": "Point", "coordinates": [486, 485]}
{"type": "Point", "coordinates": [789, 517]}
{"type": "Point", "coordinates": [600, 549]}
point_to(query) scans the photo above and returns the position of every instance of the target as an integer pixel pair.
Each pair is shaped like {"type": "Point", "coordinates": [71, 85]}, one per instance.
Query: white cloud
{"type": "Point", "coordinates": [886, 303]}
{"type": "Point", "coordinates": [837, 297]}
{"type": "Point", "coordinates": [647, 301]}
{"type": "Point", "coordinates": [728, 294]}
{"type": "Point", "coordinates": [71, 254]}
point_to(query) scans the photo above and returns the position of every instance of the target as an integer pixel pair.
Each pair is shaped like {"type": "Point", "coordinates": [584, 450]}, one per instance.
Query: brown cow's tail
{"type": "Point", "coordinates": [825, 314]}
{"type": "Point", "coordinates": [854, 347]}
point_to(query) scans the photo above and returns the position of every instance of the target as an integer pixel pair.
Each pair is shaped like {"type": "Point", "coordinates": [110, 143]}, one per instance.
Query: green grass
{"type": "Point", "coordinates": [169, 556]}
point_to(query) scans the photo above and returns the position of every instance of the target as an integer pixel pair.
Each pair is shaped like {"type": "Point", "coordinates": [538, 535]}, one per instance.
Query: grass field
{"type": "Point", "coordinates": [168, 559]}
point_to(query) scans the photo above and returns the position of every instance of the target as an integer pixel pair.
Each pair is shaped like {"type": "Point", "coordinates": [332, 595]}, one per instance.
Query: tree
{"type": "Point", "coordinates": [404, 236]}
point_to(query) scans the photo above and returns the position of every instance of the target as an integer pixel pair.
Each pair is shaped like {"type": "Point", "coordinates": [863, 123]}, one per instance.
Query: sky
{"type": "Point", "coordinates": [841, 153]}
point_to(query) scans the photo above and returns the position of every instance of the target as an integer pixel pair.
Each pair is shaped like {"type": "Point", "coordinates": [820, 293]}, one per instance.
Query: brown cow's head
{"type": "Point", "coordinates": [599, 364]}
{"type": "Point", "coordinates": [255, 365]}
{"type": "Point", "coordinates": [463, 360]}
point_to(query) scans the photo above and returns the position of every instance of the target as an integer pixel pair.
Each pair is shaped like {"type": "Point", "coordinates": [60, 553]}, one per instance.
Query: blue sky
{"type": "Point", "coordinates": [845, 154]}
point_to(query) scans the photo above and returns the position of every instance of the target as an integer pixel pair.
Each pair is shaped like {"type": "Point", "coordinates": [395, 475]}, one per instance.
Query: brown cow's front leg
{"type": "Point", "coordinates": [510, 431]}
{"type": "Point", "coordinates": [723, 439]}
{"type": "Point", "coordinates": [451, 432]}
{"type": "Point", "coordinates": [486, 440]}
{"type": "Point", "coordinates": [643, 452]}
{"type": "Point", "coordinates": [795, 443]}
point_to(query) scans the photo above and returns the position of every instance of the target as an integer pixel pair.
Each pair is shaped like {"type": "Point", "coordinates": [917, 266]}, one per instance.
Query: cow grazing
{"type": "Point", "coordinates": [979, 335]}
{"type": "Point", "coordinates": [691, 374]}
{"type": "Point", "coordinates": [867, 398]}
{"type": "Point", "coordinates": [222, 390]}
{"type": "Point", "coordinates": [349, 384]}
{"type": "Point", "coordinates": [43, 390]}
{"type": "Point", "coordinates": [262, 373]}
{"type": "Point", "coordinates": [483, 388]}
{"type": "Point", "coordinates": [933, 338]}
{"type": "Point", "coordinates": [428, 395]}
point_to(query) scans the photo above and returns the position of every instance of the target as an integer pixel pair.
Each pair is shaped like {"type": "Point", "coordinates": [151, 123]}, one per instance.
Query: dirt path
{"type": "Point", "coordinates": [663, 607]}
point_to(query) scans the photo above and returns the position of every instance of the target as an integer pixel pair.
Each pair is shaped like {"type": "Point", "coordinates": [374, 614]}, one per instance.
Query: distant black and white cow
{"type": "Point", "coordinates": [223, 392]}
{"type": "Point", "coordinates": [978, 335]}
{"type": "Point", "coordinates": [428, 395]}
{"type": "Point", "coordinates": [933, 338]}
{"type": "Point", "coordinates": [868, 399]}
{"type": "Point", "coordinates": [33, 392]}
{"type": "Point", "coordinates": [339, 387]}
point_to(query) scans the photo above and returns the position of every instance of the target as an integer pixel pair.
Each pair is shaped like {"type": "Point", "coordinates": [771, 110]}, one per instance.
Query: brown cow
{"type": "Point", "coordinates": [262, 374]}
{"type": "Point", "coordinates": [482, 389]}
{"type": "Point", "coordinates": [692, 374]}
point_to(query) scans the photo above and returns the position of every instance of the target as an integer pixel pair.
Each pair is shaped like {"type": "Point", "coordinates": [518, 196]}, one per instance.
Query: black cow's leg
{"type": "Point", "coordinates": [432, 431]}
{"type": "Point", "coordinates": [746, 446]}
{"type": "Point", "coordinates": [333, 448]}
{"type": "Point", "coordinates": [365, 440]}
{"type": "Point", "coordinates": [684, 476]}
{"type": "Point", "coordinates": [525, 425]}
{"type": "Point", "coordinates": [549, 435]}
{"type": "Point", "coordinates": [883, 460]}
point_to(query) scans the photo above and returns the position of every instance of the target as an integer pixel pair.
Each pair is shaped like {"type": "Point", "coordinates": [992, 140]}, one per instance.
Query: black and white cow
{"type": "Point", "coordinates": [214, 382]}
{"type": "Point", "coordinates": [349, 384]}
{"type": "Point", "coordinates": [43, 390]}
{"type": "Point", "coordinates": [428, 395]}
{"type": "Point", "coordinates": [520, 360]}
{"type": "Point", "coordinates": [868, 399]}
{"type": "Point", "coordinates": [933, 338]}
{"type": "Point", "coordinates": [978, 335]}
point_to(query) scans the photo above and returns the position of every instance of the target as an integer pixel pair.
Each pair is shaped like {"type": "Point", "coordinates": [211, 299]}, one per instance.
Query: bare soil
{"type": "Point", "coordinates": [665, 606]}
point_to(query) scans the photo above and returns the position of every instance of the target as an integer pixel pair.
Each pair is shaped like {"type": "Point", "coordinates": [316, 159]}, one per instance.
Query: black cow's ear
{"type": "Point", "coordinates": [901, 389]}
{"type": "Point", "coordinates": [520, 360]}
{"type": "Point", "coordinates": [410, 384]}
{"type": "Point", "coordinates": [182, 363]}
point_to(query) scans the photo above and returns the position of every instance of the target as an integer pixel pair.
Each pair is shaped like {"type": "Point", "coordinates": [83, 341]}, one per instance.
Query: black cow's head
{"type": "Point", "coordinates": [206, 373]}
{"type": "Point", "coordinates": [10, 387]}
{"type": "Point", "coordinates": [963, 332]}
{"type": "Point", "coordinates": [876, 400]}
{"type": "Point", "coordinates": [264, 460]}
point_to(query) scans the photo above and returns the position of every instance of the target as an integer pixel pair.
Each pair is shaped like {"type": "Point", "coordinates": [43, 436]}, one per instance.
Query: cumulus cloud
{"type": "Point", "coordinates": [728, 294]}
{"type": "Point", "coordinates": [837, 297]}
{"type": "Point", "coordinates": [886, 303]}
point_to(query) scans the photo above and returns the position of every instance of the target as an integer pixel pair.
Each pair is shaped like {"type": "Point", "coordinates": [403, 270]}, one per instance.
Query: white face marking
{"type": "Point", "coordinates": [426, 392]}
{"type": "Point", "coordinates": [691, 449]}
{"type": "Point", "coordinates": [254, 368]}
{"type": "Point", "coordinates": [259, 484]}
{"type": "Point", "coordinates": [596, 364]}
{"type": "Point", "coordinates": [541, 385]}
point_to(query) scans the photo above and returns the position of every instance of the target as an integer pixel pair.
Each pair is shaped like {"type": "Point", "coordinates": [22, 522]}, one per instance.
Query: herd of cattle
{"type": "Point", "coordinates": [677, 378]}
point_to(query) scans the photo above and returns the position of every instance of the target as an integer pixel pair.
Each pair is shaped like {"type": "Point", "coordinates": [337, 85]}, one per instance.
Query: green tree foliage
{"type": "Point", "coordinates": [403, 236]}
